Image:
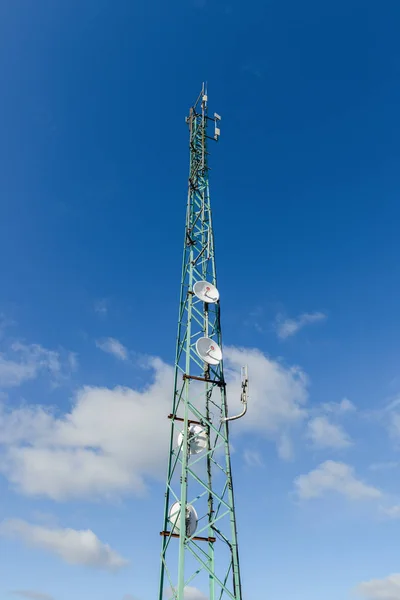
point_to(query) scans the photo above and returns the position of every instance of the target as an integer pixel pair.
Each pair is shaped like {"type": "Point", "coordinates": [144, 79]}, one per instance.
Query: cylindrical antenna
{"type": "Point", "coordinates": [243, 396]}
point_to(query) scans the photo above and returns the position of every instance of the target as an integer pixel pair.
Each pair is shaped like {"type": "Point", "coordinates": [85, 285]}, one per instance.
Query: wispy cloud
{"type": "Point", "coordinates": [381, 589]}
{"type": "Point", "coordinates": [384, 466]}
{"type": "Point", "coordinates": [339, 408]}
{"type": "Point", "coordinates": [254, 70]}
{"type": "Point", "coordinates": [255, 319]}
{"type": "Point", "coordinates": [392, 511]}
{"type": "Point", "coordinates": [252, 458]}
{"type": "Point", "coordinates": [389, 416]}
{"type": "Point", "coordinates": [332, 476]}
{"type": "Point", "coordinates": [5, 322]}
{"type": "Point", "coordinates": [325, 434]}
{"type": "Point", "coordinates": [101, 307]}
{"type": "Point", "coordinates": [285, 447]}
{"type": "Point", "coordinates": [113, 346]}
{"type": "Point", "coordinates": [199, 3]}
{"type": "Point", "coordinates": [286, 327]}
{"type": "Point", "coordinates": [23, 362]}
{"type": "Point", "coordinates": [72, 546]}
{"type": "Point", "coordinates": [73, 361]}
{"type": "Point", "coordinates": [31, 595]}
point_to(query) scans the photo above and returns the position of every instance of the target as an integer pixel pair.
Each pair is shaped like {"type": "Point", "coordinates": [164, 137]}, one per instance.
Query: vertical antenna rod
{"type": "Point", "coordinates": [199, 539]}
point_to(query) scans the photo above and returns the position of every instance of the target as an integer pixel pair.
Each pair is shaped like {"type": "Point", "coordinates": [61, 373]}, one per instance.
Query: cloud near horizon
{"type": "Point", "coordinates": [75, 547]}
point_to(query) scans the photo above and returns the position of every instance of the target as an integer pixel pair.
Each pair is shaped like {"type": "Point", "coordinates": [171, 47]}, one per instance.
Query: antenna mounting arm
{"type": "Point", "coordinates": [243, 396]}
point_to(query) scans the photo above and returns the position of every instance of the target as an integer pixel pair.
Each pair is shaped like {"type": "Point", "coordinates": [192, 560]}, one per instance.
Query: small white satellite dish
{"type": "Point", "coordinates": [191, 518]}
{"type": "Point", "coordinates": [209, 351]}
{"type": "Point", "coordinates": [197, 439]}
{"type": "Point", "coordinates": [206, 292]}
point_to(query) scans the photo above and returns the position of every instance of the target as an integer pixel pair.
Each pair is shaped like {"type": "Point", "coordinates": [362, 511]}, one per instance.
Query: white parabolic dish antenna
{"type": "Point", "coordinates": [207, 292]}
{"type": "Point", "coordinates": [209, 351]}
{"type": "Point", "coordinates": [197, 439]}
{"type": "Point", "coordinates": [191, 518]}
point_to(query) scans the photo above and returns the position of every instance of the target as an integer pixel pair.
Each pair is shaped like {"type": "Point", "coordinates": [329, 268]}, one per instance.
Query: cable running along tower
{"type": "Point", "coordinates": [199, 538]}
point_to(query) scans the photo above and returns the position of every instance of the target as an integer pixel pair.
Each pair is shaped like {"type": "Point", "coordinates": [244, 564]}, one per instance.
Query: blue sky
{"type": "Point", "coordinates": [304, 187]}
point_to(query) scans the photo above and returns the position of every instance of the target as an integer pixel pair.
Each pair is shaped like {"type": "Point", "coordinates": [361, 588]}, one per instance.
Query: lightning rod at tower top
{"type": "Point", "coordinates": [199, 542]}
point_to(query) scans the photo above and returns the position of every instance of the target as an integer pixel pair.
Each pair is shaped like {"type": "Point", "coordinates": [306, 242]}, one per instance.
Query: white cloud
{"type": "Point", "coordinates": [24, 362]}
{"type": "Point", "coordinates": [339, 408]}
{"type": "Point", "coordinates": [394, 422]}
{"type": "Point", "coordinates": [381, 589]}
{"type": "Point", "coordinates": [113, 346]}
{"type": "Point", "coordinates": [393, 404]}
{"type": "Point", "coordinates": [101, 307]}
{"type": "Point", "coordinates": [113, 440]}
{"type": "Point", "coordinates": [104, 446]}
{"type": "Point", "coordinates": [331, 476]}
{"type": "Point", "coordinates": [325, 434]}
{"type": "Point", "coordinates": [287, 327]}
{"type": "Point", "coordinates": [31, 595]}
{"type": "Point", "coordinates": [192, 593]}
{"type": "Point", "coordinates": [285, 447]}
{"type": "Point", "coordinates": [277, 393]}
{"type": "Point", "coordinates": [390, 417]}
{"type": "Point", "coordinates": [13, 373]}
{"type": "Point", "coordinates": [392, 511]}
{"type": "Point", "coordinates": [73, 546]}
{"type": "Point", "coordinates": [73, 361]}
{"type": "Point", "coordinates": [252, 458]}
{"type": "Point", "coordinates": [277, 396]}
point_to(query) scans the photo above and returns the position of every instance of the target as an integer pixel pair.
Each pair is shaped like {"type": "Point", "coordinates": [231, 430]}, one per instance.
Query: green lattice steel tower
{"type": "Point", "coordinates": [199, 543]}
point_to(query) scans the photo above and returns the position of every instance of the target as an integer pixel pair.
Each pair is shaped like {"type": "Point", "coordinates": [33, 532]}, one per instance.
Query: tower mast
{"type": "Point", "coordinates": [199, 537]}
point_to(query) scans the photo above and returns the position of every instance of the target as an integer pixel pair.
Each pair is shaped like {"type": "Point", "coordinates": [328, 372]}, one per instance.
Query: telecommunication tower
{"type": "Point", "coordinates": [199, 536]}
